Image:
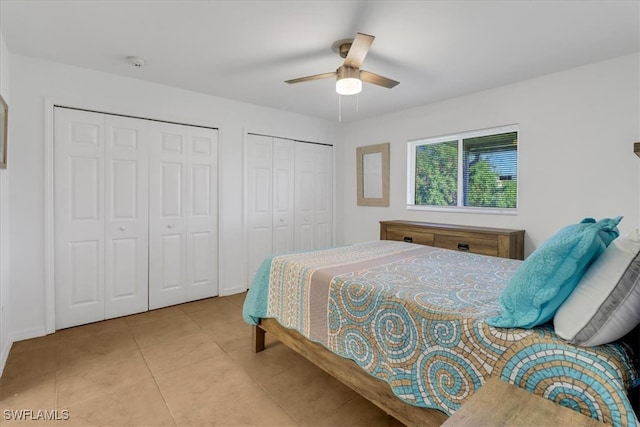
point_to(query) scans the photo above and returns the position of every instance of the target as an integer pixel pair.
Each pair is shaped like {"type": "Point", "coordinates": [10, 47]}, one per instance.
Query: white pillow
{"type": "Point", "coordinates": [605, 305]}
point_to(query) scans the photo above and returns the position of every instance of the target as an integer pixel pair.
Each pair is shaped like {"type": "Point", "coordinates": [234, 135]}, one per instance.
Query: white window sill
{"type": "Point", "coordinates": [466, 210]}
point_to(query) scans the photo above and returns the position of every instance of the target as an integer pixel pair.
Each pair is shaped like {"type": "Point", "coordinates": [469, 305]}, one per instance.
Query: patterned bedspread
{"type": "Point", "coordinates": [414, 316]}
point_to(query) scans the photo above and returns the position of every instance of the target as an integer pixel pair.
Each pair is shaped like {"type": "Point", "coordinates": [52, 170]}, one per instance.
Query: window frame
{"type": "Point", "coordinates": [460, 136]}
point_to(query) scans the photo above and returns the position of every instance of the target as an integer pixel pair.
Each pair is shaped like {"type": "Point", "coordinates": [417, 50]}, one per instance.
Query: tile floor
{"type": "Point", "coordinates": [187, 365]}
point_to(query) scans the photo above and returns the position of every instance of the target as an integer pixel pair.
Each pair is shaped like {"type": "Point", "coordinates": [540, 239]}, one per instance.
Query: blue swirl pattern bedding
{"type": "Point", "coordinates": [413, 316]}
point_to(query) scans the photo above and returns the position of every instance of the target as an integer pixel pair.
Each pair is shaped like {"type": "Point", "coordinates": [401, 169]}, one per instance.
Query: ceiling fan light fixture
{"type": "Point", "coordinates": [348, 81]}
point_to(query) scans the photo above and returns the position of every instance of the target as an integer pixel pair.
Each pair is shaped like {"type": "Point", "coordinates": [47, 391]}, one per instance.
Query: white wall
{"type": "Point", "coordinates": [35, 81]}
{"type": "Point", "coordinates": [576, 159]}
{"type": "Point", "coordinates": [5, 306]}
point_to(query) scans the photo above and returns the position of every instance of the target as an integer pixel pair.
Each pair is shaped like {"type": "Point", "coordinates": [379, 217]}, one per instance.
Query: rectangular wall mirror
{"type": "Point", "coordinates": [372, 165]}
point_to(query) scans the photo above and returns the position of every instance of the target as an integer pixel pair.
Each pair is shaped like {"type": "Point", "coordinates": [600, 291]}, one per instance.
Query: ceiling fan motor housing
{"type": "Point", "coordinates": [344, 49]}
{"type": "Point", "coordinates": [345, 72]}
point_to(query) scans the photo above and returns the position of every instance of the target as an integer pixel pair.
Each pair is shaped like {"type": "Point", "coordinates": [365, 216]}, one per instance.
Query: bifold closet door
{"type": "Point", "coordinates": [283, 195]}
{"type": "Point", "coordinates": [182, 215]}
{"type": "Point", "coordinates": [135, 217]}
{"type": "Point", "coordinates": [259, 200]}
{"type": "Point", "coordinates": [100, 218]}
{"type": "Point", "coordinates": [269, 187]}
{"type": "Point", "coordinates": [288, 197]}
{"type": "Point", "coordinates": [313, 196]}
{"type": "Point", "coordinates": [127, 212]}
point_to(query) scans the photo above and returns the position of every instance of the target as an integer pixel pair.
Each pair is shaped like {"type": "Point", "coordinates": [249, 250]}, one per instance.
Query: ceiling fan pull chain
{"type": "Point", "coordinates": [357, 103]}
{"type": "Point", "coordinates": [339, 108]}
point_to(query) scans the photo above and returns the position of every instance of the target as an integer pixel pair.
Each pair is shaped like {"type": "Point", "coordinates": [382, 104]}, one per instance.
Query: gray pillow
{"type": "Point", "coordinates": [605, 305]}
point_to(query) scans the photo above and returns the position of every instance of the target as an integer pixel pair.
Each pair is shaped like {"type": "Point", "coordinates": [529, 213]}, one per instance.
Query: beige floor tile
{"type": "Point", "coordinates": [77, 385]}
{"type": "Point", "coordinates": [99, 350]}
{"type": "Point", "coordinates": [35, 393]}
{"type": "Point", "coordinates": [275, 359]}
{"type": "Point", "coordinates": [237, 299]}
{"type": "Point", "coordinates": [161, 314]}
{"type": "Point", "coordinates": [139, 404]}
{"type": "Point", "coordinates": [189, 387]}
{"type": "Point", "coordinates": [358, 412]}
{"type": "Point", "coordinates": [231, 336]}
{"type": "Point", "coordinates": [163, 330]}
{"type": "Point", "coordinates": [70, 335]}
{"type": "Point", "coordinates": [217, 317]}
{"type": "Point", "coordinates": [246, 407]}
{"type": "Point", "coordinates": [28, 365]}
{"type": "Point", "coordinates": [217, 392]}
{"type": "Point", "coordinates": [204, 304]}
{"type": "Point", "coordinates": [50, 340]}
{"type": "Point", "coordinates": [291, 390]}
{"type": "Point", "coordinates": [192, 365]}
{"type": "Point", "coordinates": [180, 352]}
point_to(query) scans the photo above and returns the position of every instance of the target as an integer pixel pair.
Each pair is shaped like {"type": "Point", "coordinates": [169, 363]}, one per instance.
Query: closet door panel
{"type": "Point", "coordinates": [170, 254]}
{"type": "Point", "coordinates": [304, 196]}
{"type": "Point", "coordinates": [259, 200]}
{"type": "Point", "coordinates": [202, 218]}
{"type": "Point", "coordinates": [78, 218]}
{"type": "Point", "coordinates": [85, 182]}
{"type": "Point", "coordinates": [171, 189]}
{"type": "Point", "coordinates": [123, 185]}
{"type": "Point", "coordinates": [124, 273]}
{"type": "Point", "coordinates": [201, 261]}
{"type": "Point", "coordinates": [201, 203]}
{"type": "Point", "coordinates": [168, 200]}
{"type": "Point", "coordinates": [283, 195]}
{"type": "Point", "coordinates": [85, 264]}
{"type": "Point", "coordinates": [126, 206]}
{"type": "Point", "coordinates": [313, 196]}
{"type": "Point", "coordinates": [323, 210]}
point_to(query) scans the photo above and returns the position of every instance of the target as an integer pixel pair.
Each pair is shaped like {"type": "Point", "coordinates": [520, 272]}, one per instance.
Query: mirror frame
{"type": "Point", "coordinates": [384, 174]}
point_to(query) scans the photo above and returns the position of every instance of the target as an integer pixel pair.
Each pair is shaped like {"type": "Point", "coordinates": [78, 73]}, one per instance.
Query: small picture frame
{"type": "Point", "coordinates": [4, 124]}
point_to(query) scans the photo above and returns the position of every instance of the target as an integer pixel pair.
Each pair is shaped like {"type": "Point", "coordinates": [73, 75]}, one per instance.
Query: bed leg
{"type": "Point", "coordinates": [258, 339]}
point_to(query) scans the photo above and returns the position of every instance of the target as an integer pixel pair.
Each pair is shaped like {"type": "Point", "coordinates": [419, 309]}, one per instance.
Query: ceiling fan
{"type": "Point", "coordinates": [349, 76]}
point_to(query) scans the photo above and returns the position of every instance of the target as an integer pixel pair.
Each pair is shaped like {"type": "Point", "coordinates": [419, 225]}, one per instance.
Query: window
{"type": "Point", "coordinates": [471, 170]}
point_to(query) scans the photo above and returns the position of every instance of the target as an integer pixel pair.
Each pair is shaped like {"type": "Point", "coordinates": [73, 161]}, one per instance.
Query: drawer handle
{"type": "Point", "coordinates": [408, 239]}
{"type": "Point", "coordinates": [463, 246]}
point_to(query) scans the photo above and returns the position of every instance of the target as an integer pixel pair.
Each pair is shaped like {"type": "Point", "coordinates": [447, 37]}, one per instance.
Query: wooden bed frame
{"type": "Point", "coordinates": [349, 373]}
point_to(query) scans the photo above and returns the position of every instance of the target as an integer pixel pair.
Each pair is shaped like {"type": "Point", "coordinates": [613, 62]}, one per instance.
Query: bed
{"type": "Point", "coordinates": [404, 325]}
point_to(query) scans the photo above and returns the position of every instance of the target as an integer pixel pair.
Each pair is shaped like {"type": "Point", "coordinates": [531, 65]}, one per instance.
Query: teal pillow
{"type": "Point", "coordinates": [547, 277]}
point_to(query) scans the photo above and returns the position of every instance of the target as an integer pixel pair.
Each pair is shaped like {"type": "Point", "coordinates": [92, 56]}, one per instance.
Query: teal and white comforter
{"type": "Point", "coordinates": [413, 316]}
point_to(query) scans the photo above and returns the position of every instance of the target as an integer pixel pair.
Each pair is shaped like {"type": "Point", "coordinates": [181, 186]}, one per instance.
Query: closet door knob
{"type": "Point", "coordinates": [123, 228]}
{"type": "Point", "coordinates": [170, 226]}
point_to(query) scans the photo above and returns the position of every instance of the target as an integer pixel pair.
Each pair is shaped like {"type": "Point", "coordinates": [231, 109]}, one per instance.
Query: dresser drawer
{"type": "Point", "coordinates": [476, 245]}
{"type": "Point", "coordinates": [500, 242]}
{"type": "Point", "coordinates": [410, 235]}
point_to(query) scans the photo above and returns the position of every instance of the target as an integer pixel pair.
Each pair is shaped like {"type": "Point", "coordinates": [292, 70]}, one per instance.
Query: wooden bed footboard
{"type": "Point", "coordinates": [349, 373]}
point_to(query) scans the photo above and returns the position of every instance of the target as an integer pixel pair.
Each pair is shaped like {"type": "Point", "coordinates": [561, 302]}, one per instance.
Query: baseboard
{"type": "Point", "coordinates": [26, 334]}
{"type": "Point", "coordinates": [232, 291]}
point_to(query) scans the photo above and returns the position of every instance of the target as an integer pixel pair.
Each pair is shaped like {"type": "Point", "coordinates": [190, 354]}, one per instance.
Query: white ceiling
{"type": "Point", "coordinates": [244, 50]}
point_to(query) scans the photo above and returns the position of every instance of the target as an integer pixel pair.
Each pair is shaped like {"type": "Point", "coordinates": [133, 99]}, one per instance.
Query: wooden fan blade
{"type": "Point", "coordinates": [314, 77]}
{"type": "Point", "coordinates": [358, 50]}
{"type": "Point", "coordinates": [377, 79]}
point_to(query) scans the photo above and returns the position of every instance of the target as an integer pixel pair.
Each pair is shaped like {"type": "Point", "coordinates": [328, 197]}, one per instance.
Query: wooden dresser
{"type": "Point", "coordinates": [501, 242]}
